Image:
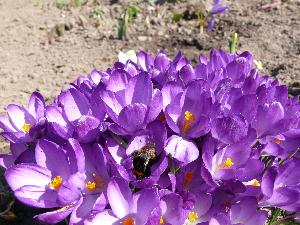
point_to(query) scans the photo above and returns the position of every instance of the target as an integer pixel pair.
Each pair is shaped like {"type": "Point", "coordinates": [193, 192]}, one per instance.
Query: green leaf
{"type": "Point", "coordinates": [60, 3]}
{"type": "Point", "coordinates": [177, 17]}
{"type": "Point", "coordinates": [132, 12]}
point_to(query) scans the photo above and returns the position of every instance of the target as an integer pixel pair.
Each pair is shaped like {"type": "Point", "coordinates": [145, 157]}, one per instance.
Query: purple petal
{"type": "Point", "coordinates": [49, 155]}
{"type": "Point", "coordinates": [76, 156]}
{"type": "Point", "coordinates": [56, 216]}
{"type": "Point", "coordinates": [27, 174]}
{"type": "Point", "coordinates": [118, 80]}
{"type": "Point", "coordinates": [132, 117]}
{"type": "Point", "coordinates": [183, 150]}
{"type": "Point", "coordinates": [120, 197]}
{"type": "Point", "coordinates": [75, 104]}
{"type": "Point", "coordinates": [37, 196]}
{"type": "Point", "coordinates": [36, 105]}
{"type": "Point", "coordinates": [19, 116]}
{"type": "Point", "coordinates": [230, 129]}
{"type": "Point", "coordinates": [139, 90]}
{"type": "Point", "coordinates": [106, 218]}
{"type": "Point", "coordinates": [169, 92]}
{"type": "Point", "coordinates": [87, 129]}
{"type": "Point", "coordinates": [155, 106]}
{"type": "Point", "coordinates": [267, 116]}
{"type": "Point", "coordinates": [6, 160]}
{"type": "Point", "coordinates": [147, 201]}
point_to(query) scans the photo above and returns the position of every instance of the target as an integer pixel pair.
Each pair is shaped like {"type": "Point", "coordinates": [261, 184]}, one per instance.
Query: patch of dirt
{"type": "Point", "coordinates": [44, 48]}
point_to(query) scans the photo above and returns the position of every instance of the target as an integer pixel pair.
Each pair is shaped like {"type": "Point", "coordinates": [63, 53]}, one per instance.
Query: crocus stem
{"type": "Point", "coordinates": [274, 216]}
{"type": "Point", "coordinates": [290, 156]}
{"type": "Point", "coordinates": [233, 43]}
{"type": "Point", "coordinates": [282, 220]}
{"type": "Point", "coordinates": [118, 139]}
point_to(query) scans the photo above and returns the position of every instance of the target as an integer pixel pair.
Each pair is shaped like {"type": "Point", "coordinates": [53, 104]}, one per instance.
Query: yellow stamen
{"type": "Point", "coordinates": [161, 220]}
{"type": "Point", "coordinates": [256, 183]}
{"type": "Point", "coordinates": [277, 141]}
{"type": "Point", "coordinates": [26, 127]}
{"type": "Point", "coordinates": [56, 182]}
{"type": "Point", "coordinates": [193, 216]}
{"type": "Point", "coordinates": [189, 119]}
{"type": "Point", "coordinates": [90, 186]}
{"type": "Point", "coordinates": [128, 221]}
{"type": "Point", "coordinates": [187, 179]}
{"type": "Point", "coordinates": [228, 163]}
{"type": "Point", "coordinates": [225, 165]}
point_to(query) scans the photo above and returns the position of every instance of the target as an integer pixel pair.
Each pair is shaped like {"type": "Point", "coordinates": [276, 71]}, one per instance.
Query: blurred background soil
{"type": "Point", "coordinates": [44, 47]}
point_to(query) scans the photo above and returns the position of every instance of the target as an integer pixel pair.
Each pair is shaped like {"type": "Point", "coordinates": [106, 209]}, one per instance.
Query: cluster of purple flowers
{"type": "Point", "coordinates": [159, 141]}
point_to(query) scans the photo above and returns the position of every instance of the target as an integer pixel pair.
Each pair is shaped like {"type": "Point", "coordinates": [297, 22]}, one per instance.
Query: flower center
{"type": "Point", "coordinates": [189, 119]}
{"type": "Point", "coordinates": [97, 183]}
{"type": "Point", "coordinates": [128, 221]}
{"type": "Point", "coordinates": [225, 165]}
{"type": "Point", "coordinates": [187, 179]}
{"type": "Point", "coordinates": [90, 186]}
{"type": "Point", "coordinates": [256, 183]}
{"type": "Point", "coordinates": [193, 216]}
{"type": "Point", "coordinates": [277, 141]}
{"type": "Point", "coordinates": [161, 220]}
{"type": "Point", "coordinates": [26, 127]}
{"type": "Point", "coordinates": [56, 182]}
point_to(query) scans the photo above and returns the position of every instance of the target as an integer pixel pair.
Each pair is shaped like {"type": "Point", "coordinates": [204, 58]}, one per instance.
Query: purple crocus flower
{"type": "Point", "coordinates": [22, 127]}
{"type": "Point", "coordinates": [231, 161]}
{"type": "Point", "coordinates": [127, 208]}
{"type": "Point", "coordinates": [188, 117]}
{"type": "Point", "coordinates": [38, 184]}
{"type": "Point", "coordinates": [83, 195]}
{"type": "Point", "coordinates": [78, 117]}
{"type": "Point", "coordinates": [280, 186]}
{"type": "Point", "coordinates": [144, 161]}
{"type": "Point", "coordinates": [136, 97]}
{"type": "Point", "coordinates": [217, 8]}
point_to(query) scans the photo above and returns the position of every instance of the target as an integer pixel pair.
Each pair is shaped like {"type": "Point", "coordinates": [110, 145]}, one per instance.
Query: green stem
{"type": "Point", "coordinates": [290, 156]}
{"type": "Point", "coordinates": [275, 214]}
{"type": "Point", "coordinates": [285, 219]}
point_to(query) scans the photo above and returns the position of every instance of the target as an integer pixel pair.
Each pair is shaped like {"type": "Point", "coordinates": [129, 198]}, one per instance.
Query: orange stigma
{"type": "Point", "coordinates": [187, 179]}
{"type": "Point", "coordinates": [56, 182]}
{"type": "Point", "coordinates": [189, 119]}
{"type": "Point", "coordinates": [128, 221]}
{"type": "Point", "coordinates": [100, 182]}
{"type": "Point", "coordinates": [277, 141]}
